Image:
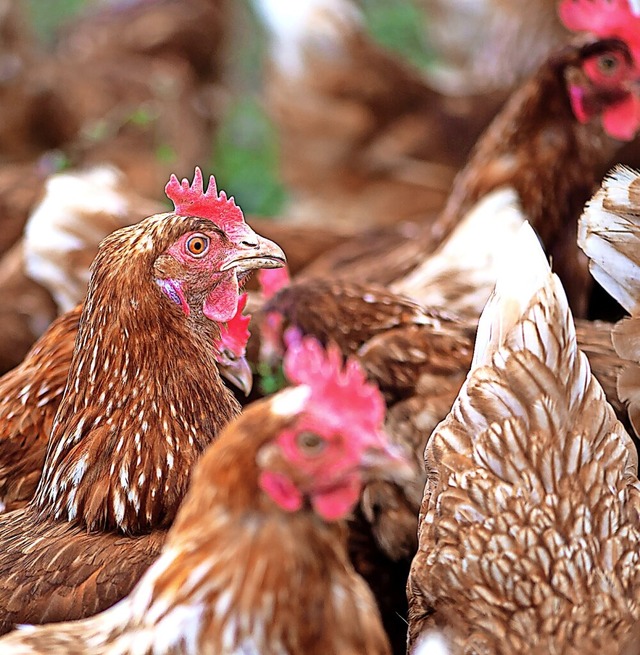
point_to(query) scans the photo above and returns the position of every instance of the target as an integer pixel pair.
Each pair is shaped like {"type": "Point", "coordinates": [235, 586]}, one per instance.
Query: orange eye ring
{"type": "Point", "coordinates": [310, 443]}
{"type": "Point", "coordinates": [197, 245]}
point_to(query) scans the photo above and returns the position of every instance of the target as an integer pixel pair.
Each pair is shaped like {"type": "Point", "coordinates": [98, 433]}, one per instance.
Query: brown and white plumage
{"type": "Point", "coordinates": [30, 396]}
{"type": "Point", "coordinates": [609, 233]}
{"type": "Point", "coordinates": [530, 524]}
{"type": "Point", "coordinates": [537, 148]}
{"type": "Point", "coordinates": [461, 274]}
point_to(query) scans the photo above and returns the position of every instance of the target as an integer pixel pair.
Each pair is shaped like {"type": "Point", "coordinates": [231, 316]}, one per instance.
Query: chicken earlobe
{"type": "Point", "coordinates": [532, 484]}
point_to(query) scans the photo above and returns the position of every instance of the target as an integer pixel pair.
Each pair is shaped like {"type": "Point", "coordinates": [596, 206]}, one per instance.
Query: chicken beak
{"type": "Point", "coordinates": [387, 463]}
{"type": "Point", "coordinates": [238, 372]}
{"type": "Point", "coordinates": [255, 252]}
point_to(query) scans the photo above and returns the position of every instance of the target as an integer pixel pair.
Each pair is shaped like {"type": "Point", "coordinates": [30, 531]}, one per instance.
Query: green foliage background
{"type": "Point", "coordinates": [244, 154]}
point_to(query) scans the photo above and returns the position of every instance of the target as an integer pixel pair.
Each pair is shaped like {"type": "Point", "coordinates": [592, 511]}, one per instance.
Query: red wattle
{"type": "Point", "coordinates": [281, 490]}
{"type": "Point", "coordinates": [337, 503]}
{"type": "Point", "coordinates": [576, 96]}
{"type": "Point", "coordinates": [622, 121]}
{"type": "Point", "coordinates": [221, 304]}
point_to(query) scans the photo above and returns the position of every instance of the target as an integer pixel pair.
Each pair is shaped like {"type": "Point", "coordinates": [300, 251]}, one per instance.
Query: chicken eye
{"type": "Point", "coordinates": [608, 64]}
{"type": "Point", "coordinates": [310, 443]}
{"type": "Point", "coordinates": [197, 245]}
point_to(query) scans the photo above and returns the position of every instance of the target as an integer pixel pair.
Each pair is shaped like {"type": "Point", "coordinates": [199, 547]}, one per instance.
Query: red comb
{"type": "Point", "coordinates": [606, 19]}
{"type": "Point", "coordinates": [272, 280]}
{"type": "Point", "coordinates": [235, 334]}
{"type": "Point", "coordinates": [193, 200]}
{"type": "Point", "coordinates": [337, 389]}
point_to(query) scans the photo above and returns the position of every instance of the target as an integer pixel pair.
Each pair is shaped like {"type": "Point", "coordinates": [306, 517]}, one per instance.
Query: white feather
{"type": "Point", "coordinates": [470, 255]}
{"type": "Point", "coordinates": [60, 225]}
{"type": "Point", "coordinates": [608, 232]}
{"type": "Point", "coordinates": [290, 401]}
{"type": "Point", "coordinates": [432, 643]}
{"type": "Point", "coordinates": [523, 271]}
{"type": "Point", "coordinates": [296, 24]}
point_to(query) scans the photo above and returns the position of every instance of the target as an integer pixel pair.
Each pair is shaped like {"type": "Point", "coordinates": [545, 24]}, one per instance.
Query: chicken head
{"type": "Point", "coordinates": [331, 438]}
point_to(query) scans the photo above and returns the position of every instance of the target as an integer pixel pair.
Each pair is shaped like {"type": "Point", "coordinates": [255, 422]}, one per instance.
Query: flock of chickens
{"type": "Point", "coordinates": [451, 466]}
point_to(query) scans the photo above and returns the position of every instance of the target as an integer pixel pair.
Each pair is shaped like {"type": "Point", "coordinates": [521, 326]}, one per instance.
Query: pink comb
{"type": "Point", "coordinates": [194, 201]}
{"type": "Point", "coordinates": [235, 334]}
{"type": "Point", "coordinates": [336, 389]}
{"type": "Point", "coordinates": [272, 280]}
{"type": "Point", "coordinates": [606, 19]}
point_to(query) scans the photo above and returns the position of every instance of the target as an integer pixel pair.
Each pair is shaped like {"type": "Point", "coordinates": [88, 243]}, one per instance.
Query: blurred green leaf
{"type": "Point", "coordinates": [399, 26]}
{"type": "Point", "coordinates": [245, 158]}
{"type": "Point", "coordinates": [270, 380]}
{"type": "Point", "coordinates": [47, 15]}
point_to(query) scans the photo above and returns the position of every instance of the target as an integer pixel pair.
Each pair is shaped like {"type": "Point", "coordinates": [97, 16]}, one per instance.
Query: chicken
{"type": "Point", "coordinates": [31, 393]}
{"type": "Point", "coordinates": [256, 561]}
{"type": "Point", "coordinates": [142, 401]}
{"type": "Point", "coordinates": [549, 145]}
{"type": "Point", "coordinates": [609, 234]}
{"type": "Point", "coordinates": [419, 359]}
{"type": "Point", "coordinates": [529, 525]}
{"type": "Point", "coordinates": [46, 272]}
{"type": "Point", "coordinates": [358, 127]}
{"type": "Point", "coordinates": [190, 31]}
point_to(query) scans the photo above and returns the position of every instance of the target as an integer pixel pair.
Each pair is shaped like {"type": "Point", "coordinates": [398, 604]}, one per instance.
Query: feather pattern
{"type": "Point", "coordinates": [609, 234]}
{"type": "Point", "coordinates": [530, 514]}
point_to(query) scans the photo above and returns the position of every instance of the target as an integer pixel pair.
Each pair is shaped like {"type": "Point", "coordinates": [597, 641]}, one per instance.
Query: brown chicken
{"type": "Point", "coordinates": [189, 31]}
{"type": "Point", "coordinates": [132, 86]}
{"type": "Point", "coordinates": [529, 525]}
{"type": "Point", "coordinates": [549, 144]}
{"type": "Point", "coordinates": [256, 560]}
{"type": "Point", "coordinates": [143, 400]}
{"type": "Point", "coordinates": [419, 359]}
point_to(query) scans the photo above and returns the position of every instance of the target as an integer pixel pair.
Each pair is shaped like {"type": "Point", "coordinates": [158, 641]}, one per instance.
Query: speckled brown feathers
{"type": "Point", "coordinates": [29, 398]}
{"type": "Point", "coordinates": [348, 313]}
{"type": "Point", "coordinates": [54, 571]}
{"type": "Point", "coordinates": [111, 389]}
{"type": "Point", "coordinates": [529, 525]}
{"type": "Point", "coordinates": [609, 234]}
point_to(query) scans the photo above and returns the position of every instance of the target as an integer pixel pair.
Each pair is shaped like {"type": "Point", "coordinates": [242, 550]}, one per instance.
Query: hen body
{"type": "Point", "coordinates": [529, 524]}
{"type": "Point", "coordinates": [536, 149]}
